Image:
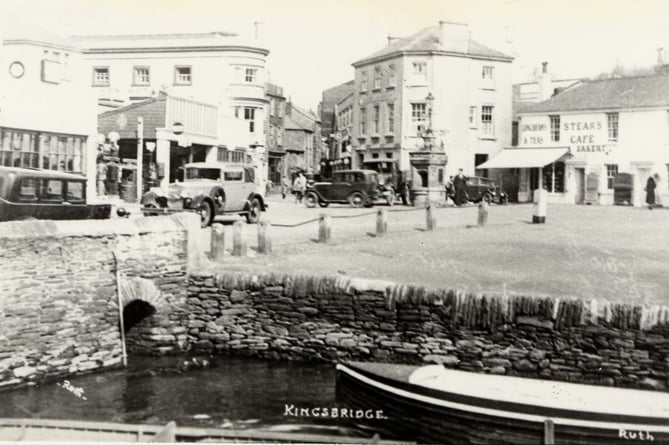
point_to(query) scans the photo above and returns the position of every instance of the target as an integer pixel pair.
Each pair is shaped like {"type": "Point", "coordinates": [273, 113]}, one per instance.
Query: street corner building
{"type": "Point", "coordinates": [594, 142]}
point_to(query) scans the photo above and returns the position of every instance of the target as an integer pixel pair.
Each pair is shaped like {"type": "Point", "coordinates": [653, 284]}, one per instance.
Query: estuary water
{"type": "Point", "coordinates": [237, 392]}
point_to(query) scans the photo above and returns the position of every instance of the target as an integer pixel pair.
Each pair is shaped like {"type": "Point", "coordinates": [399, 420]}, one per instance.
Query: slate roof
{"type": "Point", "coordinates": [299, 119]}
{"type": "Point", "coordinates": [427, 39]}
{"type": "Point", "coordinates": [624, 92]}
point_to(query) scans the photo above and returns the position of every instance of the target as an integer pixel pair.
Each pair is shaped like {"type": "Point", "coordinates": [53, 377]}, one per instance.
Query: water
{"type": "Point", "coordinates": [233, 392]}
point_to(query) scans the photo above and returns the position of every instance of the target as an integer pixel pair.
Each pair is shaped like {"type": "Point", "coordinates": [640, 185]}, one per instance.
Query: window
{"type": "Point", "coordinates": [555, 128]}
{"type": "Point", "coordinates": [250, 115]}
{"type": "Point", "coordinates": [487, 120]}
{"type": "Point", "coordinates": [420, 72]}
{"type": "Point", "coordinates": [553, 176]}
{"type": "Point", "coordinates": [363, 121]}
{"type": "Point", "coordinates": [250, 75]}
{"type": "Point", "coordinates": [488, 77]}
{"type": "Point", "coordinates": [52, 190]}
{"type": "Point", "coordinates": [472, 117]}
{"type": "Point", "coordinates": [611, 172]}
{"type": "Point", "coordinates": [363, 80]}
{"type": "Point", "coordinates": [233, 175]}
{"type": "Point", "coordinates": [480, 158]}
{"type": "Point", "coordinates": [142, 75]}
{"type": "Point", "coordinates": [101, 77]}
{"type": "Point", "coordinates": [391, 118]}
{"type": "Point", "coordinates": [75, 191]}
{"type": "Point", "coordinates": [28, 189]}
{"type": "Point", "coordinates": [613, 126]}
{"type": "Point", "coordinates": [391, 75]}
{"type": "Point", "coordinates": [183, 75]}
{"type": "Point", "coordinates": [377, 115]}
{"type": "Point", "coordinates": [377, 77]}
{"type": "Point", "coordinates": [418, 115]}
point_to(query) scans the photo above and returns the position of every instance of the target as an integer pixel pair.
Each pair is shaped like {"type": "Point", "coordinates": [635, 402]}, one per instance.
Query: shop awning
{"type": "Point", "coordinates": [524, 158]}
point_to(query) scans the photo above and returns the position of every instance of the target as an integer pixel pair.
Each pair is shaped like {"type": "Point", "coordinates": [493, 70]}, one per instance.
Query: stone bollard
{"type": "Point", "coordinates": [483, 213]}
{"type": "Point", "coordinates": [217, 242]}
{"type": "Point", "coordinates": [239, 246]}
{"type": "Point", "coordinates": [540, 204]}
{"type": "Point", "coordinates": [381, 222]}
{"type": "Point", "coordinates": [324, 228]}
{"type": "Point", "coordinates": [430, 220]}
{"type": "Point", "coordinates": [264, 240]}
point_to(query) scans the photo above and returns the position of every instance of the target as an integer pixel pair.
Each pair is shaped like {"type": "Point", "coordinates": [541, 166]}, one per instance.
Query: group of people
{"type": "Point", "coordinates": [298, 187]}
{"type": "Point", "coordinates": [456, 188]}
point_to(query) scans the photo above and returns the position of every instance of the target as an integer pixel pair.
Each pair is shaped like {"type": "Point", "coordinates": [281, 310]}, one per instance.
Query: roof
{"type": "Point", "coordinates": [298, 119]}
{"type": "Point", "coordinates": [427, 40]}
{"type": "Point", "coordinates": [624, 92]}
{"type": "Point", "coordinates": [523, 157]}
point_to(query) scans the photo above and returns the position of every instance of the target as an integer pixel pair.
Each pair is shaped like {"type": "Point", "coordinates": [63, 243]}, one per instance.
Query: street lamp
{"type": "Point", "coordinates": [428, 137]}
{"type": "Point", "coordinates": [429, 101]}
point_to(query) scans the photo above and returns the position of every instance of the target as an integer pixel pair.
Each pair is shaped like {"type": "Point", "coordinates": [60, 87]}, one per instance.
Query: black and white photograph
{"type": "Point", "coordinates": [334, 221]}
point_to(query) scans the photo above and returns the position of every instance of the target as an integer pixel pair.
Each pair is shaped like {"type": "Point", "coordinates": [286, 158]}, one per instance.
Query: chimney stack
{"type": "Point", "coordinates": [545, 83]}
{"type": "Point", "coordinates": [454, 36]}
{"type": "Point", "coordinates": [392, 39]}
{"type": "Point", "coordinates": [258, 27]}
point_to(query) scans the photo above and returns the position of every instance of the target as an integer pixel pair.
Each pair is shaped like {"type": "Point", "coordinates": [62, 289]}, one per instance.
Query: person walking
{"type": "Point", "coordinates": [460, 186]}
{"type": "Point", "coordinates": [299, 186]}
{"type": "Point", "coordinates": [284, 187]}
{"type": "Point", "coordinates": [650, 192]}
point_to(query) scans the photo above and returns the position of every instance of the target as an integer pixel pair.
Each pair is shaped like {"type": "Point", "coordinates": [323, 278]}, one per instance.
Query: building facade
{"type": "Point", "coordinates": [328, 109]}
{"type": "Point", "coordinates": [470, 113]}
{"type": "Point", "coordinates": [276, 110]}
{"type": "Point", "coordinates": [575, 143]}
{"type": "Point", "coordinates": [47, 111]}
{"type": "Point", "coordinates": [203, 70]}
{"type": "Point", "coordinates": [302, 141]}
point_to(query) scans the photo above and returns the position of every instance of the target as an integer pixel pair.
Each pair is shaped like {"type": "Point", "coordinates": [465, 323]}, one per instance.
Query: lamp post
{"type": "Point", "coordinates": [427, 134]}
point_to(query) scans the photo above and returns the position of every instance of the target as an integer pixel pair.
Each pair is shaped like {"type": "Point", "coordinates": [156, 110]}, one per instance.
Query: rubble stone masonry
{"type": "Point", "coordinates": [296, 317]}
{"type": "Point", "coordinates": [58, 292]}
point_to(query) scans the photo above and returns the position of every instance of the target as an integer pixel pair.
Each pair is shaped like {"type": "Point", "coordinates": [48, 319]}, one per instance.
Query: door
{"type": "Point", "coordinates": [535, 174]}
{"type": "Point", "coordinates": [579, 180]}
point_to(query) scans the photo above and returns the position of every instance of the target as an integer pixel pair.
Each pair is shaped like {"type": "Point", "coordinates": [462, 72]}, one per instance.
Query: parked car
{"type": "Point", "coordinates": [31, 193]}
{"type": "Point", "coordinates": [479, 188]}
{"type": "Point", "coordinates": [210, 189]}
{"type": "Point", "coordinates": [356, 187]}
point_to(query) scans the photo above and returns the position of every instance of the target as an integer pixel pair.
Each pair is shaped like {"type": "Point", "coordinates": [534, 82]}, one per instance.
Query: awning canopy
{"type": "Point", "coordinates": [524, 157]}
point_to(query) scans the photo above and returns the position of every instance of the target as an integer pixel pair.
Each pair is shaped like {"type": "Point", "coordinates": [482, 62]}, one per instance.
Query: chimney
{"type": "Point", "coordinates": [545, 83]}
{"type": "Point", "coordinates": [258, 27]}
{"type": "Point", "coordinates": [454, 36]}
{"type": "Point", "coordinates": [392, 39]}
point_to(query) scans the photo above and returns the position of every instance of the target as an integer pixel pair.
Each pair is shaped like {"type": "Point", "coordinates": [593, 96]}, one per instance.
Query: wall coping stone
{"type": "Point", "coordinates": [94, 227]}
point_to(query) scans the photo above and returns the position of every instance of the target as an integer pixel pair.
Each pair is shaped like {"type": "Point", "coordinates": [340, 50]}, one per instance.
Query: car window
{"type": "Point", "coordinates": [373, 178]}
{"type": "Point", "coordinates": [51, 190]}
{"type": "Point", "coordinates": [28, 189]}
{"type": "Point", "coordinates": [203, 173]}
{"type": "Point", "coordinates": [359, 177]}
{"type": "Point", "coordinates": [337, 177]}
{"type": "Point", "coordinates": [250, 175]}
{"type": "Point", "coordinates": [233, 175]}
{"type": "Point", "coordinates": [75, 191]}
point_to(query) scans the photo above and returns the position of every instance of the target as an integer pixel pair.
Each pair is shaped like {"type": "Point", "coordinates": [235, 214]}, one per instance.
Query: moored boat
{"type": "Point", "coordinates": [432, 404]}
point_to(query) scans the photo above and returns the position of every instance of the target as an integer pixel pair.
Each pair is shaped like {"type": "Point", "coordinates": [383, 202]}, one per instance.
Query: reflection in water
{"type": "Point", "coordinates": [156, 390]}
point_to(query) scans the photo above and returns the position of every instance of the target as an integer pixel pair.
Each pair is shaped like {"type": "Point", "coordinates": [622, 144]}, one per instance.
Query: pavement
{"type": "Point", "coordinates": [608, 252]}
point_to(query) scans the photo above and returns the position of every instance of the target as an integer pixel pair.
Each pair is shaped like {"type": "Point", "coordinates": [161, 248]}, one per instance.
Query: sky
{"type": "Point", "coordinates": [313, 43]}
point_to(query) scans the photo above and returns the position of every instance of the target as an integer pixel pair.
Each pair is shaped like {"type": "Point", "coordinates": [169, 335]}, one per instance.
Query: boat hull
{"type": "Point", "coordinates": [431, 416]}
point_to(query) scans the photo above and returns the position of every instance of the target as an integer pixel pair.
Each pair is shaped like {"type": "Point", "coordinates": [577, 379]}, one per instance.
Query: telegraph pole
{"type": "Point", "coordinates": [140, 157]}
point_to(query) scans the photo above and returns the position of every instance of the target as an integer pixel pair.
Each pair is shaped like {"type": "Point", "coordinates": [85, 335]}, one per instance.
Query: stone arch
{"type": "Point", "coordinates": [142, 289]}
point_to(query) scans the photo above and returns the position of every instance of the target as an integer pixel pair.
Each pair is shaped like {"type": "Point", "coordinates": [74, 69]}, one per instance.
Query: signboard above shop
{"type": "Point", "coordinates": [585, 134]}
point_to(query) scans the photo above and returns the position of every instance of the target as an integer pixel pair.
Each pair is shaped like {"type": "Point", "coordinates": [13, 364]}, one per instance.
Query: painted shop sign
{"type": "Point", "coordinates": [534, 131]}
{"type": "Point", "coordinates": [585, 133]}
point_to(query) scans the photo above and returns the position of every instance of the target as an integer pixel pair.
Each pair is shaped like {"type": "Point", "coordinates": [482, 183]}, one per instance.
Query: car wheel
{"type": "Point", "coordinates": [356, 199]}
{"type": "Point", "coordinates": [253, 216]}
{"type": "Point", "coordinates": [206, 213]}
{"type": "Point", "coordinates": [311, 199]}
{"type": "Point", "coordinates": [148, 209]}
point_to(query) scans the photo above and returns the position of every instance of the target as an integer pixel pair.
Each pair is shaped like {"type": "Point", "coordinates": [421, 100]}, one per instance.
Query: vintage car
{"type": "Point", "coordinates": [31, 193]}
{"type": "Point", "coordinates": [356, 187]}
{"type": "Point", "coordinates": [479, 188]}
{"type": "Point", "coordinates": [210, 189]}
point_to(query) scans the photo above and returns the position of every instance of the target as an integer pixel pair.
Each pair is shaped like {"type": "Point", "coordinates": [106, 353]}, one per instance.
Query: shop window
{"type": "Point", "coordinates": [611, 172]}
{"type": "Point", "coordinates": [553, 177]}
{"type": "Point", "coordinates": [555, 128]}
{"type": "Point", "coordinates": [613, 126]}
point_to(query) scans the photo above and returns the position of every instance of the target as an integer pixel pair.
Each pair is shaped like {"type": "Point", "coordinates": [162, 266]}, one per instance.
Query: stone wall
{"type": "Point", "coordinates": [58, 292]}
{"type": "Point", "coordinates": [293, 317]}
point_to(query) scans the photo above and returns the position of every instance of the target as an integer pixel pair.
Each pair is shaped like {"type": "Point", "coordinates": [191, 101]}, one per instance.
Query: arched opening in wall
{"type": "Point", "coordinates": [136, 311]}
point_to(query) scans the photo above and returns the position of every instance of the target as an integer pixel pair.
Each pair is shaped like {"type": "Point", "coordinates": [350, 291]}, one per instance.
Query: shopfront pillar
{"type": "Point", "coordinates": [163, 160]}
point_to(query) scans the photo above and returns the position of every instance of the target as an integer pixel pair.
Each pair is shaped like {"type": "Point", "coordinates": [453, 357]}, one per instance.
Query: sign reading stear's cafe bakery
{"type": "Point", "coordinates": [585, 133]}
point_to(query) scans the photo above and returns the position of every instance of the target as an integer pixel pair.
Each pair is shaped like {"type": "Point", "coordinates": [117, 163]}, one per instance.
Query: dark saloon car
{"type": "Point", "coordinates": [479, 188]}
{"type": "Point", "coordinates": [31, 193]}
{"type": "Point", "coordinates": [355, 187]}
{"type": "Point", "coordinates": [210, 189]}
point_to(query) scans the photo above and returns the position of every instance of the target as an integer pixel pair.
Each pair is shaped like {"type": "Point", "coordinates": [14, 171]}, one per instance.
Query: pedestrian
{"type": "Point", "coordinates": [101, 176]}
{"type": "Point", "coordinates": [450, 191]}
{"type": "Point", "coordinates": [299, 186]}
{"type": "Point", "coordinates": [284, 187]}
{"type": "Point", "coordinates": [650, 191]}
{"type": "Point", "coordinates": [268, 187]}
{"type": "Point", "coordinates": [460, 186]}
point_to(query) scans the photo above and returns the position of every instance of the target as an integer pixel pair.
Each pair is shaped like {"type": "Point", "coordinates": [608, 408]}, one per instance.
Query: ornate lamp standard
{"type": "Point", "coordinates": [428, 164]}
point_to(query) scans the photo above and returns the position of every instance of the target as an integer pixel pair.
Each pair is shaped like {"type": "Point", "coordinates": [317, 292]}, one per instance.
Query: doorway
{"type": "Point", "coordinates": [579, 182]}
